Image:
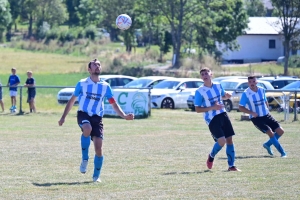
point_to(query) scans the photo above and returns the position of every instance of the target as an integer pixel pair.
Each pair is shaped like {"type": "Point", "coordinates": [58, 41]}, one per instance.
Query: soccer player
{"type": "Point", "coordinates": [13, 82]}
{"type": "Point", "coordinates": [91, 93]}
{"type": "Point", "coordinates": [209, 101]}
{"type": "Point", "coordinates": [30, 83]}
{"type": "Point", "coordinates": [254, 98]}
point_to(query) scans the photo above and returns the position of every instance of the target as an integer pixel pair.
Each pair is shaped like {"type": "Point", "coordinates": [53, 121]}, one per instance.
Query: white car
{"type": "Point", "coordinates": [146, 82]}
{"type": "Point", "coordinates": [115, 81]}
{"type": "Point", "coordinates": [173, 93]}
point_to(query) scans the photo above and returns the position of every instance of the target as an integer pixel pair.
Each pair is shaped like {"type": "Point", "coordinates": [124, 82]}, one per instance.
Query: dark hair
{"type": "Point", "coordinates": [93, 61]}
{"type": "Point", "coordinates": [205, 69]}
{"type": "Point", "coordinates": [251, 77]}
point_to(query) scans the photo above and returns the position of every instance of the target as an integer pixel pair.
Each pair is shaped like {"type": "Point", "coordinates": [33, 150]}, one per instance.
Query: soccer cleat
{"type": "Point", "coordinates": [283, 155]}
{"type": "Point", "coordinates": [96, 179]}
{"type": "Point", "coordinates": [234, 169]}
{"type": "Point", "coordinates": [209, 162]}
{"type": "Point", "coordinates": [83, 166]}
{"type": "Point", "coordinates": [268, 148]}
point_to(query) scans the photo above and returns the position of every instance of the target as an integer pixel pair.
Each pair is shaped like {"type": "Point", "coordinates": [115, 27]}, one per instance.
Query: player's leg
{"type": "Point", "coordinates": [83, 120]}
{"type": "Point", "coordinates": [97, 136]}
{"type": "Point", "coordinates": [276, 143]}
{"type": "Point", "coordinates": [2, 105]}
{"type": "Point", "coordinates": [218, 135]}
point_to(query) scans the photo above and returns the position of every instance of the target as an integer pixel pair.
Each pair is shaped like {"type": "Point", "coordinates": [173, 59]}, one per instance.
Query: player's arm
{"type": "Point", "coordinates": [67, 109]}
{"type": "Point", "coordinates": [225, 95]}
{"type": "Point", "coordinates": [199, 101]}
{"type": "Point", "coordinates": [118, 110]}
{"type": "Point", "coordinates": [242, 106]}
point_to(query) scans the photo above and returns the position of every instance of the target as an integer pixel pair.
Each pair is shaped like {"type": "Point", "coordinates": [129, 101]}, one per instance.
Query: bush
{"type": "Point", "coordinates": [294, 61]}
{"type": "Point", "coordinates": [90, 32]}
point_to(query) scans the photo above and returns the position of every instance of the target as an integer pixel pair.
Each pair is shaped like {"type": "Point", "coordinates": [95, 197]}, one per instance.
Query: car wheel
{"type": "Point", "coordinates": [228, 105]}
{"type": "Point", "coordinates": [167, 103]}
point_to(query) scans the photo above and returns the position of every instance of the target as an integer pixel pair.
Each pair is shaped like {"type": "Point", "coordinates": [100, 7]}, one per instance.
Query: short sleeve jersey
{"type": "Point", "coordinates": [30, 81]}
{"type": "Point", "coordinates": [207, 97]}
{"type": "Point", "coordinates": [91, 96]}
{"type": "Point", "coordinates": [13, 79]}
{"type": "Point", "coordinates": [255, 101]}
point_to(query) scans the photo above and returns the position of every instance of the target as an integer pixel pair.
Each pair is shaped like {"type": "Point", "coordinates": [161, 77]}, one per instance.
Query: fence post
{"type": "Point", "coordinates": [20, 111]}
{"type": "Point", "coordinates": [295, 107]}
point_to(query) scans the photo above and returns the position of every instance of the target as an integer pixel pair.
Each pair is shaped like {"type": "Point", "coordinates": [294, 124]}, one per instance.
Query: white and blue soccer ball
{"type": "Point", "coordinates": [123, 22]}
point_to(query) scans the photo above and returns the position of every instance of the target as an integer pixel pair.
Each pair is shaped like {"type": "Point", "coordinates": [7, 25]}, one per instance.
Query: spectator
{"type": "Point", "coordinates": [1, 102]}
{"type": "Point", "coordinates": [13, 82]}
{"type": "Point", "coordinates": [30, 84]}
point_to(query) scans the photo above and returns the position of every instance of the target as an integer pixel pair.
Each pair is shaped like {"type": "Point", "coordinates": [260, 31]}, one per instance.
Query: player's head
{"type": "Point", "coordinates": [252, 82]}
{"type": "Point", "coordinates": [205, 74]}
{"type": "Point", "coordinates": [29, 73]}
{"type": "Point", "coordinates": [94, 67]}
{"type": "Point", "coordinates": [13, 70]}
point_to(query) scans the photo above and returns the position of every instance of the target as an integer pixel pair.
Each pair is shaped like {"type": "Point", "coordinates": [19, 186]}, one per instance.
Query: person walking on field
{"type": "Point", "coordinates": [1, 102]}
{"type": "Point", "coordinates": [13, 82]}
{"type": "Point", "coordinates": [30, 83]}
{"type": "Point", "coordinates": [209, 101]}
{"type": "Point", "coordinates": [254, 97]}
{"type": "Point", "coordinates": [91, 92]}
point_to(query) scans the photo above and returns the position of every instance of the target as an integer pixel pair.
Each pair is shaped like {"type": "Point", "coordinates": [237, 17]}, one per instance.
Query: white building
{"type": "Point", "coordinates": [262, 41]}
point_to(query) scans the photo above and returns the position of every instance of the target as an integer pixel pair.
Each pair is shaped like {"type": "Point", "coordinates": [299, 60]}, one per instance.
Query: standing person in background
{"type": "Point", "coordinates": [30, 83]}
{"type": "Point", "coordinates": [13, 82]}
{"type": "Point", "coordinates": [1, 102]}
{"type": "Point", "coordinates": [254, 98]}
{"type": "Point", "coordinates": [91, 93]}
{"type": "Point", "coordinates": [209, 101]}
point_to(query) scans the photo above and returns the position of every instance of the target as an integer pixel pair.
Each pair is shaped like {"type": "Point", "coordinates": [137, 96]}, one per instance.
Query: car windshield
{"type": "Point", "coordinates": [229, 85]}
{"type": "Point", "coordinates": [167, 85]}
{"type": "Point", "coordinates": [292, 86]}
{"type": "Point", "coordinates": [138, 83]}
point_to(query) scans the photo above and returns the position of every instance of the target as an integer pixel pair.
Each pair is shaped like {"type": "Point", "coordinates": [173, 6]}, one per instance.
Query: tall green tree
{"type": "Point", "coordinates": [72, 6]}
{"type": "Point", "coordinates": [288, 23]}
{"type": "Point", "coordinates": [5, 17]}
{"type": "Point", "coordinates": [89, 12]}
{"type": "Point", "coordinates": [15, 10]}
{"type": "Point", "coordinates": [255, 8]}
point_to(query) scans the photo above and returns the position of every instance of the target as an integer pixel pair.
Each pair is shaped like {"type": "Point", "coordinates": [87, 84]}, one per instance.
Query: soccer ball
{"type": "Point", "coordinates": [123, 22]}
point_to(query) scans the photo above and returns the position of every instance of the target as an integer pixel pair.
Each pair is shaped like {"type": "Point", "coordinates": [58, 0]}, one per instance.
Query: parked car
{"type": "Point", "coordinates": [276, 99]}
{"type": "Point", "coordinates": [234, 87]}
{"type": "Point", "coordinates": [115, 81]}
{"type": "Point", "coordinates": [221, 78]}
{"type": "Point", "coordinates": [279, 81]}
{"type": "Point", "coordinates": [144, 82]}
{"type": "Point", "coordinates": [173, 93]}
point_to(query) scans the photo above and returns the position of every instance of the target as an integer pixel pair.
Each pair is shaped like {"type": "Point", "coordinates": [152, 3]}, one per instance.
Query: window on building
{"type": "Point", "coordinates": [272, 44]}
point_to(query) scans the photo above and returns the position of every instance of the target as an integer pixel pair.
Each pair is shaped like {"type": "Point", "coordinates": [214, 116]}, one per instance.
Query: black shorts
{"type": "Point", "coordinates": [265, 123]}
{"type": "Point", "coordinates": [220, 126]}
{"type": "Point", "coordinates": [95, 121]}
{"type": "Point", "coordinates": [31, 95]}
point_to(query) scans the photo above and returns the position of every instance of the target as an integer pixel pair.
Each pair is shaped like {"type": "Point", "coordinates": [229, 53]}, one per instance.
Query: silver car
{"type": "Point", "coordinates": [173, 93]}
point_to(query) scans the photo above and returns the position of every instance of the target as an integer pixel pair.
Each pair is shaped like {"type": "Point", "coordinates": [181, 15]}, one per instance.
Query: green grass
{"type": "Point", "coordinates": [161, 157]}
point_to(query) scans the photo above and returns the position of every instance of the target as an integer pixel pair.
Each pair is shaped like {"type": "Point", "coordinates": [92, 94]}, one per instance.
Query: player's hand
{"type": "Point", "coordinates": [218, 106]}
{"type": "Point", "coordinates": [130, 116]}
{"type": "Point", "coordinates": [254, 114]}
{"type": "Point", "coordinates": [227, 95]}
{"type": "Point", "coordinates": [61, 121]}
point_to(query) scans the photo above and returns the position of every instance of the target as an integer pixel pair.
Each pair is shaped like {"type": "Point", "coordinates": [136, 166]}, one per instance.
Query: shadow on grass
{"type": "Point", "coordinates": [60, 183]}
{"type": "Point", "coordinates": [187, 173]}
{"type": "Point", "coordinates": [247, 157]}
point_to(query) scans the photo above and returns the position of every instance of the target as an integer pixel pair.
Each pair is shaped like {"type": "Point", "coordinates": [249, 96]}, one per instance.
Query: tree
{"type": "Point", "coordinates": [289, 15]}
{"type": "Point", "coordinates": [255, 8]}
{"type": "Point", "coordinates": [72, 6]}
{"type": "Point", "coordinates": [5, 17]}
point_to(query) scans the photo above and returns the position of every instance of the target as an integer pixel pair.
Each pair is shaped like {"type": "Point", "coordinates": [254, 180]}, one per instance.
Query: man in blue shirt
{"type": "Point", "coordinates": [254, 98]}
{"type": "Point", "coordinates": [209, 101]}
{"type": "Point", "coordinates": [13, 82]}
{"type": "Point", "coordinates": [91, 93]}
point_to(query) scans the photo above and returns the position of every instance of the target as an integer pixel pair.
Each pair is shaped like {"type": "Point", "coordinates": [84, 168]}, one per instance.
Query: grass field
{"type": "Point", "coordinates": [162, 157]}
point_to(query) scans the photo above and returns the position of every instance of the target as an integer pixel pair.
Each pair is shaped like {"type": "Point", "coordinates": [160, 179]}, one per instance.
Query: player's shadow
{"type": "Point", "coordinates": [246, 157]}
{"type": "Point", "coordinates": [60, 183]}
{"type": "Point", "coordinates": [186, 173]}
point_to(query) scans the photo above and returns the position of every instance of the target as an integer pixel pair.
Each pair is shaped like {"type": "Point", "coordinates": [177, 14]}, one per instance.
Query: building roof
{"type": "Point", "coordinates": [263, 26]}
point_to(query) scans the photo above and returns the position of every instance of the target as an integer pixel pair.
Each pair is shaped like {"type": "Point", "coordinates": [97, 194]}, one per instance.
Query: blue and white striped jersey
{"type": "Point", "coordinates": [255, 101]}
{"type": "Point", "coordinates": [91, 95]}
{"type": "Point", "coordinates": [206, 97]}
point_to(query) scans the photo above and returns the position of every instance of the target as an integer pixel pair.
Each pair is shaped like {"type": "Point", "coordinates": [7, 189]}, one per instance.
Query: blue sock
{"type": "Point", "coordinates": [269, 142]}
{"type": "Point", "coordinates": [98, 161]}
{"type": "Point", "coordinates": [230, 154]}
{"type": "Point", "coordinates": [85, 144]}
{"type": "Point", "coordinates": [277, 145]}
{"type": "Point", "coordinates": [215, 150]}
